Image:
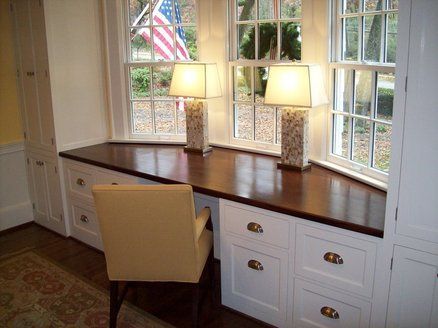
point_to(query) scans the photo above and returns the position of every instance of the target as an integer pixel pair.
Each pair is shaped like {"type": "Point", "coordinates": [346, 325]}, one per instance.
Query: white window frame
{"type": "Point", "coordinates": [234, 62]}
{"type": "Point", "coordinates": [127, 64]}
{"type": "Point", "coordinates": [338, 63]}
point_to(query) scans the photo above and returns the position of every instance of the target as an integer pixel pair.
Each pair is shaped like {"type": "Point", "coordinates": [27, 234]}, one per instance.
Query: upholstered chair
{"type": "Point", "coordinates": [151, 233]}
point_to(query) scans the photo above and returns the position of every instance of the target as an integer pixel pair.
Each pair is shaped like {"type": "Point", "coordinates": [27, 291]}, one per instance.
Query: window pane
{"type": "Point", "coordinates": [350, 39]}
{"type": "Point", "coordinates": [385, 95]}
{"type": "Point", "coordinates": [260, 81]}
{"type": "Point", "coordinates": [290, 8]}
{"type": "Point", "coordinates": [391, 38]}
{"type": "Point", "coordinates": [161, 77]}
{"type": "Point", "coordinates": [392, 4]}
{"type": "Point", "coordinates": [268, 41]}
{"type": "Point", "coordinates": [373, 5]}
{"type": "Point", "coordinates": [361, 141]}
{"type": "Point", "coordinates": [186, 9]}
{"type": "Point", "coordinates": [189, 46]}
{"type": "Point", "coordinates": [138, 12]}
{"type": "Point", "coordinates": [264, 124]}
{"type": "Point", "coordinates": [164, 117]}
{"type": "Point", "coordinates": [344, 92]}
{"type": "Point", "coordinates": [245, 10]}
{"type": "Point", "coordinates": [266, 9]}
{"type": "Point", "coordinates": [243, 121]}
{"type": "Point", "coordinates": [181, 116]}
{"type": "Point", "coordinates": [362, 103]}
{"type": "Point", "coordinates": [246, 41]}
{"type": "Point", "coordinates": [290, 41]}
{"type": "Point", "coordinates": [350, 6]}
{"type": "Point", "coordinates": [242, 83]}
{"type": "Point", "coordinates": [140, 82]}
{"type": "Point", "coordinates": [140, 45]}
{"type": "Point", "coordinates": [163, 43]}
{"type": "Point", "coordinates": [164, 14]}
{"type": "Point", "coordinates": [372, 38]}
{"type": "Point", "coordinates": [382, 147]}
{"type": "Point", "coordinates": [340, 135]}
{"type": "Point", "coordinates": [141, 117]}
{"type": "Point", "coordinates": [278, 125]}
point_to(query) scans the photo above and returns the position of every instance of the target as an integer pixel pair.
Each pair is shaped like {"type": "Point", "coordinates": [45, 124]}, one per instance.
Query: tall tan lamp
{"type": "Point", "coordinates": [199, 81]}
{"type": "Point", "coordinates": [298, 87]}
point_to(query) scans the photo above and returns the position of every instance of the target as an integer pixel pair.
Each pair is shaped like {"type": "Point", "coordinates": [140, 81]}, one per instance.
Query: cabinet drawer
{"type": "Point", "coordinates": [80, 181]}
{"type": "Point", "coordinates": [110, 178]}
{"type": "Point", "coordinates": [316, 306]}
{"type": "Point", "coordinates": [334, 259]}
{"type": "Point", "coordinates": [257, 226]}
{"type": "Point", "coordinates": [254, 279]}
{"type": "Point", "coordinates": [84, 223]}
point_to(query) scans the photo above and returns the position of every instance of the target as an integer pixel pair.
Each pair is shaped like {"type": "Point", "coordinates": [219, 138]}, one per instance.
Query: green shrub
{"type": "Point", "coordinates": [140, 82]}
{"type": "Point", "coordinates": [385, 101]}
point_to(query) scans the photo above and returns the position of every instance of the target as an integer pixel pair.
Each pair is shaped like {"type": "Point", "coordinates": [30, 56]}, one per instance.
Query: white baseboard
{"type": "Point", "coordinates": [85, 143]}
{"type": "Point", "coordinates": [14, 215]}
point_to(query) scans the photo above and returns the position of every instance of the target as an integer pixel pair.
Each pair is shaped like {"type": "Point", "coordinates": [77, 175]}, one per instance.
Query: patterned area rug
{"type": "Point", "coordinates": [34, 292]}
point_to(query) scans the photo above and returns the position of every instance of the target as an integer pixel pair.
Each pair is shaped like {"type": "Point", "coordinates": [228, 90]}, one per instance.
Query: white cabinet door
{"type": "Point", "coordinates": [418, 194]}
{"type": "Point", "coordinates": [54, 198]}
{"type": "Point", "coordinates": [39, 193]}
{"type": "Point", "coordinates": [413, 300]}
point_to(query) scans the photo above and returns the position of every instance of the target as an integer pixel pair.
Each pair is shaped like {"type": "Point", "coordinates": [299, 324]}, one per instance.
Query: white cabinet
{"type": "Point", "coordinates": [413, 300]}
{"type": "Point", "coordinates": [46, 192]}
{"type": "Point", "coordinates": [418, 195]}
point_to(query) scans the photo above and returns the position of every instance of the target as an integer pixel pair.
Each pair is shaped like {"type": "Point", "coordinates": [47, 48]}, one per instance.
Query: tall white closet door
{"type": "Point", "coordinates": [413, 300]}
{"type": "Point", "coordinates": [41, 210]}
{"type": "Point", "coordinates": [28, 74]}
{"type": "Point", "coordinates": [55, 217]}
{"type": "Point", "coordinates": [418, 194]}
{"type": "Point", "coordinates": [36, 10]}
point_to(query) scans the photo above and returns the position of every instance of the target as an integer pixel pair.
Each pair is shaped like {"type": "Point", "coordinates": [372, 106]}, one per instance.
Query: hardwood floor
{"type": "Point", "coordinates": [169, 302]}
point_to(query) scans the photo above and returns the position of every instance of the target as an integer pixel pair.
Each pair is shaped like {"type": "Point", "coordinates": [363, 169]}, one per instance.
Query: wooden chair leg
{"type": "Point", "coordinates": [114, 297]}
{"type": "Point", "coordinates": [195, 304]}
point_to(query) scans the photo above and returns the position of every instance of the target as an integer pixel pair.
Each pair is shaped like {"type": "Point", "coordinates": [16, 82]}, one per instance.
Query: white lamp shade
{"type": "Point", "coordinates": [296, 85]}
{"type": "Point", "coordinates": [195, 80]}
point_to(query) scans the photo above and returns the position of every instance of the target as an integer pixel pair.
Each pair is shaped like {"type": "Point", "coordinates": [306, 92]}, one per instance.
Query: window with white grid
{"type": "Point", "coordinates": [158, 33]}
{"type": "Point", "coordinates": [363, 84]}
{"type": "Point", "coordinates": [262, 32]}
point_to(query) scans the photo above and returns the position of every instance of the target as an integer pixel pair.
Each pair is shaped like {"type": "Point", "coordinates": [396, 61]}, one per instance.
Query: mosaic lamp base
{"type": "Point", "coordinates": [294, 139]}
{"type": "Point", "coordinates": [197, 127]}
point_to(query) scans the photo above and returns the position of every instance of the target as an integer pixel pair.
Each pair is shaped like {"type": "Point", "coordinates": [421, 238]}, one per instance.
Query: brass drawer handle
{"type": "Point", "coordinates": [84, 218]}
{"type": "Point", "coordinates": [329, 312]}
{"type": "Point", "coordinates": [80, 182]}
{"type": "Point", "coordinates": [255, 265]}
{"type": "Point", "coordinates": [114, 183]}
{"type": "Point", "coordinates": [333, 258]}
{"type": "Point", "coordinates": [254, 227]}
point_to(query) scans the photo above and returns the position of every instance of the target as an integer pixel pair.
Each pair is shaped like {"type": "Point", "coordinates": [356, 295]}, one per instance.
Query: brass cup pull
{"type": "Point", "coordinates": [114, 183]}
{"type": "Point", "coordinates": [80, 182]}
{"type": "Point", "coordinates": [329, 312]}
{"type": "Point", "coordinates": [333, 258]}
{"type": "Point", "coordinates": [255, 265]}
{"type": "Point", "coordinates": [254, 227]}
{"type": "Point", "coordinates": [84, 218]}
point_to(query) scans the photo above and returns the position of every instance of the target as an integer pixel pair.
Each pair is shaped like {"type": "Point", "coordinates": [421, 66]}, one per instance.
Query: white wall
{"type": "Point", "coordinates": [15, 205]}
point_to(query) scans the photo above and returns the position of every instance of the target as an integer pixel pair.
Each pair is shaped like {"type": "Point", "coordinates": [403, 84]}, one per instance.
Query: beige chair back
{"type": "Point", "coordinates": [148, 232]}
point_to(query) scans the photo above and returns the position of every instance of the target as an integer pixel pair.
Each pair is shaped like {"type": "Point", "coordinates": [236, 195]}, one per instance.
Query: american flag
{"type": "Point", "coordinates": [163, 35]}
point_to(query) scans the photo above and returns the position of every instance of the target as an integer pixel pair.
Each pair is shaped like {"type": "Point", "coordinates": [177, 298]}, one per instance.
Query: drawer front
{"type": "Point", "coordinates": [109, 178]}
{"type": "Point", "coordinates": [85, 224]}
{"type": "Point", "coordinates": [316, 306]}
{"type": "Point", "coordinates": [257, 226]}
{"type": "Point", "coordinates": [254, 280]}
{"type": "Point", "coordinates": [80, 181]}
{"type": "Point", "coordinates": [334, 259]}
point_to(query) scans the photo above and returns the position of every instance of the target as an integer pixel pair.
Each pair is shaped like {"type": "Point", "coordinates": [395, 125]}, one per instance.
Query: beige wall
{"type": "Point", "coordinates": [10, 122]}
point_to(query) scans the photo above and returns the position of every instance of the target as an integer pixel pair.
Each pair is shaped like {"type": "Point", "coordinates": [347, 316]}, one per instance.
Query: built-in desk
{"type": "Point", "coordinates": [318, 194]}
{"type": "Point", "coordinates": [295, 247]}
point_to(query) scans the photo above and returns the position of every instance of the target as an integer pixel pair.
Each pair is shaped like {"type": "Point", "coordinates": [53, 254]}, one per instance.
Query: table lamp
{"type": "Point", "coordinates": [199, 81]}
{"type": "Point", "coordinates": [298, 87]}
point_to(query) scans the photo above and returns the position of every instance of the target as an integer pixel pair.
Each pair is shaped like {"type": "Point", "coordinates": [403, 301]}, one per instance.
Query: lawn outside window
{"type": "Point", "coordinates": [363, 76]}
{"type": "Point", "coordinates": [158, 33]}
{"type": "Point", "coordinates": [262, 33]}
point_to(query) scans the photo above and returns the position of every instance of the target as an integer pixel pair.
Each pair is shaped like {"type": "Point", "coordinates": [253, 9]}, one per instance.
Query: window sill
{"type": "Point", "coordinates": [326, 164]}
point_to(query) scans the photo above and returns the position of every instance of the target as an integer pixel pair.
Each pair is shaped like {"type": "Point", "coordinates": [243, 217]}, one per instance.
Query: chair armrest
{"type": "Point", "coordinates": [202, 220]}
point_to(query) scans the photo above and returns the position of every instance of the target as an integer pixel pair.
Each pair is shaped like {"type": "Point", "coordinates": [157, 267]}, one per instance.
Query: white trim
{"type": "Point", "coordinates": [11, 147]}
{"type": "Point", "coordinates": [84, 143]}
{"type": "Point", "coordinates": [15, 215]}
